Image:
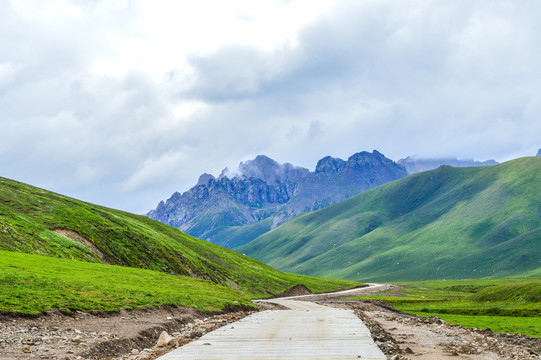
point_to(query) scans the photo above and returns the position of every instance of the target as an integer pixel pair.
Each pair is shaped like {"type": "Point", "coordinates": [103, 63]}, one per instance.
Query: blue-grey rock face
{"type": "Point", "coordinates": [538, 152]}
{"type": "Point", "coordinates": [414, 165]}
{"type": "Point", "coordinates": [232, 211]}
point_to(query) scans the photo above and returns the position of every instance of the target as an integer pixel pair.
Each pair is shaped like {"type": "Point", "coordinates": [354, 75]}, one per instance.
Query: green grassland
{"type": "Point", "coordinates": [446, 223]}
{"type": "Point", "coordinates": [31, 219]}
{"type": "Point", "coordinates": [237, 235]}
{"type": "Point", "coordinates": [511, 305]}
{"type": "Point", "coordinates": [34, 284]}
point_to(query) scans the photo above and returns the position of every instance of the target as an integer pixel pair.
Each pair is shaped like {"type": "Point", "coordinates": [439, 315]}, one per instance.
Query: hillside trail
{"type": "Point", "coordinates": [305, 330]}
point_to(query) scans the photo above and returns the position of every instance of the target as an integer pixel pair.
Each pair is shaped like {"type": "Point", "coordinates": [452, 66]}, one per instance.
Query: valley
{"type": "Point", "coordinates": [71, 271]}
{"type": "Point", "coordinates": [448, 223]}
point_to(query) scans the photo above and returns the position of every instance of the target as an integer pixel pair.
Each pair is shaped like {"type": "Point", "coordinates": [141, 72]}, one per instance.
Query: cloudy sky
{"type": "Point", "coordinates": [122, 103]}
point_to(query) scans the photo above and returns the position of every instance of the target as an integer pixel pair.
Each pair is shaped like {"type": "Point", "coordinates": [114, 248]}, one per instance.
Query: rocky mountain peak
{"type": "Point", "coordinates": [262, 167]}
{"type": "Point", "coordinates": [224, 174]}
{"type": "Point", "coordinates": [270, 171]}
{"type": "Point", "coordinates": [204, 179]}
{"type": "Point", "coordinates": [330, 165]}
{"type": "Point", "coordinates": [364, 158]}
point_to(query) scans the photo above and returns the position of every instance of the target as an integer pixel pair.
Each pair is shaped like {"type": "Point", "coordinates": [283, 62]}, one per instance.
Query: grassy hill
{"type": "Point", "coordinates": [34, 284]}
{"type": "Point", "coordinates": [445, 223]}
{"type": "Point", "coordinates": [39, 222]}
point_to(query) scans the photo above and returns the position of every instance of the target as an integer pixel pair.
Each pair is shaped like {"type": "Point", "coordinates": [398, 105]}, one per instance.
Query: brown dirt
{"type": "Point", "coordinates": [105, 336]}
{"type": "Point", "coordinates": [403, 336]}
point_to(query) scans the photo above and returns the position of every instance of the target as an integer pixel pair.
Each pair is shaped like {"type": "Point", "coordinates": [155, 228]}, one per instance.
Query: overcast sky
{"type": "Point", "coordinates": [121, 103]}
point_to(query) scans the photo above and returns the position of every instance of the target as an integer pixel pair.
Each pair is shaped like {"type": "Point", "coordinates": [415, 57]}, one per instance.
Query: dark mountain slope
{"type": "Point", "coordinates": [445, 223]}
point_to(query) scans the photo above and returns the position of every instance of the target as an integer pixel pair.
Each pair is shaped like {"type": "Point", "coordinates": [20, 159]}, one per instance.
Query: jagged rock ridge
{"type": "Point", "coordinates": [232, 211]}
{"type": "Point", "coordinates": [414, 165]}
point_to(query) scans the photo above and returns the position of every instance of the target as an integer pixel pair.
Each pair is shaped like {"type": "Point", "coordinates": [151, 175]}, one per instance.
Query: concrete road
{"type": "Point", "coordinates": [306, 331]}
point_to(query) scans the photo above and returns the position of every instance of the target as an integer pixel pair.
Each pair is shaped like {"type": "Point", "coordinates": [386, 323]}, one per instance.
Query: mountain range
{"type": "Point", "coordinates": [231, 211]}
{"type": "Point", "coordinates": [446, 223]}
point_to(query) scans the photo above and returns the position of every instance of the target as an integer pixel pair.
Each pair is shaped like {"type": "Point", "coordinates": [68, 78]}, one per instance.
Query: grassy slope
{"type": "Point", "coordinates": [33, 284]}
{"type": "Point", "coordinates": [28, 216]}
{"type": "Point", "coordinates": [233, 236]}
{"type": "Point", "coordinates": [445, 223]}
{"type": "Point", "coordinates": [511, 305]}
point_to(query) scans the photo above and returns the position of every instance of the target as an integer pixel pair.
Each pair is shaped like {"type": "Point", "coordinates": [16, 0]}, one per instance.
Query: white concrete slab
{"type": "Point", "coordinates": [307, 331]}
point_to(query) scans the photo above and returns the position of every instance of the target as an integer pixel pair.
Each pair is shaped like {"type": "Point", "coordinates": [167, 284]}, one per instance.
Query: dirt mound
{"type": "Point", "coordinates": [296, 290]}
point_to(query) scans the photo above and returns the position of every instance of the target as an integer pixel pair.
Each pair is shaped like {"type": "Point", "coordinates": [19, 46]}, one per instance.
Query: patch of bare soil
{"type": "Point", "coordinates": [125, 335]}
{"type": "Point", "coordinates": [296, 290]}
{"type": "Point", "coordinates": [403, 336]}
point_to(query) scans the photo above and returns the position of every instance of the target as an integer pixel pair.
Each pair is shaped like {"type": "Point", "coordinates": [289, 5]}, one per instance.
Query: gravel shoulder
{"type": "Point", "coordinates": [125, 335]}
{"type": "Point", "coordinates": [404, 336]}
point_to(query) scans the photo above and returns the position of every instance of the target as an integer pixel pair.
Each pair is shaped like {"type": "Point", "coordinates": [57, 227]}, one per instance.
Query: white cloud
{"type": "Point", "coordinates": [7, 72]}
{"type": "Point", "coordinates": [155, 170]}
{"type": "Point", "coordinates": [123, 103]}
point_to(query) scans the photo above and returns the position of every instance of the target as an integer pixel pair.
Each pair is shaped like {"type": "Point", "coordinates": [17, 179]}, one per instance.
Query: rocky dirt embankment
{"type": "Point", "coordinates": [126, 335]}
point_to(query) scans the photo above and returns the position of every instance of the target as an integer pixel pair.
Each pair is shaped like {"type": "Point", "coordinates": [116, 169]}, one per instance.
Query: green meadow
{"type": "Point", "coordinates": [33, 284]}
{"type": "Point", "coordinates": [510, 305]}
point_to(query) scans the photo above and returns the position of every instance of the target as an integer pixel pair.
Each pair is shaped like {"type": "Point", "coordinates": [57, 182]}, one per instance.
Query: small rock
{"type": "Point", "coordinates": [77, 340]}
{"type": "Point", "coordinates": [169, 318]}
{"type": "Point", "coordinates": [164, 339]}
{"type": "Point", "coordinates": [43, 348]}
{"type": "Point", "coordinates": [135, 351]}
{"type": "Point", "coordinates": [26, 348]}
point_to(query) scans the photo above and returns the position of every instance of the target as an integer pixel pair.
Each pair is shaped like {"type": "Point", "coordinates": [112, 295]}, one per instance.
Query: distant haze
{"type": "Point", "coordinates": [122, 103]}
